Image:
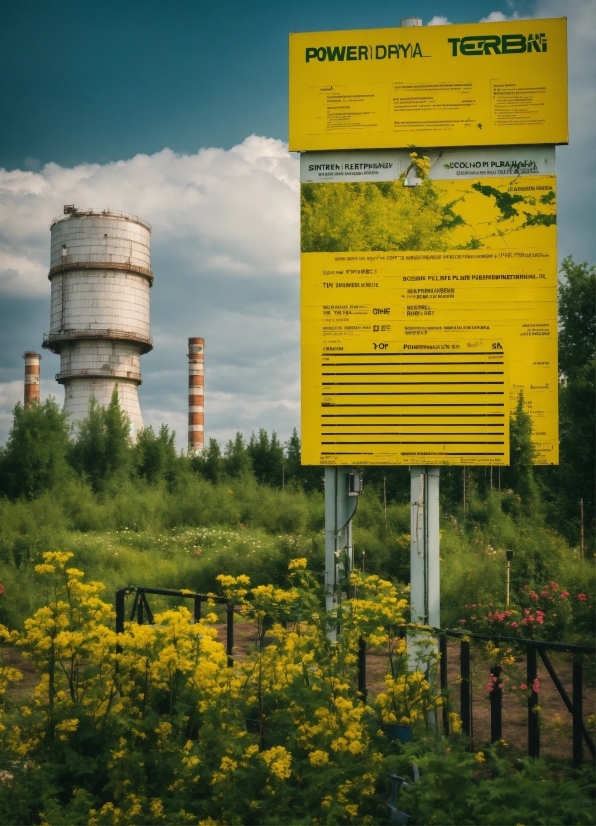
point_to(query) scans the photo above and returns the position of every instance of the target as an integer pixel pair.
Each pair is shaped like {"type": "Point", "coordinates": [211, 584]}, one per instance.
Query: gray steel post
{"type": "Point", "coordinates": [339, 509]}
{"type": "Point", "coordinates": [425, 591]}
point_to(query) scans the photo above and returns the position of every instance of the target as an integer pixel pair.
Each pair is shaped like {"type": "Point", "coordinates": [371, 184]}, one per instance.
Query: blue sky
{"type": "Point", "coordinates": [149, 107]}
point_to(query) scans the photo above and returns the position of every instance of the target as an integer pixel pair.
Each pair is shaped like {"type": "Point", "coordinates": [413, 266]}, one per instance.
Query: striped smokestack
{"type": "Point", "coordinates": [32, 371]}
{"type": "Point", "coordinates": [196, 382]}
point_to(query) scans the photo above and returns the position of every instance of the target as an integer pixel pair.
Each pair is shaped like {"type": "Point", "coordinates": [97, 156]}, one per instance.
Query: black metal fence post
{"type": "Point", "coordinates": [362, 669]}
{"type": "Point", "coordinates": [577, 699]}
{"type": "Point", "coordinates": [533, 718]}
{"type": "Point", "coordinates": [230, 634]}
{"type": "Point", "coordinates": [496, 704]}
{"type": "Point", "coordinates": [197, 609]}
{"type": "Point", "coordinates": [465, 688]}
{"type": "Point", "coordinates": [443, 677]}
{"type": "Point", "coordinates": [120, 608]}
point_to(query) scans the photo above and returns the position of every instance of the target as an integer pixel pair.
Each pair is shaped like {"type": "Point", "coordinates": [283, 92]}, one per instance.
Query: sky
{"type": "Point", "coordinates": [177, 111]}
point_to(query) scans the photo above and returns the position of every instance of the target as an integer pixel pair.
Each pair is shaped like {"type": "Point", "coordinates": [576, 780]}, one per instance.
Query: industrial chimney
{"type": "Point", "coordinates": [32, 371]}
{"type": "Point", "coordinates": [101, 275]}
{"type": "Point", "coordinates": [196, 389]}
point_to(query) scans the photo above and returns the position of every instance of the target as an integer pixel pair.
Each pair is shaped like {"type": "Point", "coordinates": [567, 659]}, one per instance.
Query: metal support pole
{"type": "Point", "coordinates": [496, 705]}
{"type": "Point", "coordinates": [197, 609]}
{"type": "Point", "coordinates": [425, 594]}
{"type": "Point", "coordinates": [230, 633]}
{"type": "Point", "coordinates": [465, 689]}
{"type": "Point", "coordinates": [533, 719]}
{"type": "Point", "coordinates": [425, 589]}
{"type": "Point", "coordinates": [339, 509]}
{"type": "Point", "coordinates": [577, 701]}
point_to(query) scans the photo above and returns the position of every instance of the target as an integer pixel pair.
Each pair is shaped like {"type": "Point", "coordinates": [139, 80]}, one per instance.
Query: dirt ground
{"type": "Point", "coordinates": [556, 736]}
{"type": "Point", "coordinates": [556, 728]}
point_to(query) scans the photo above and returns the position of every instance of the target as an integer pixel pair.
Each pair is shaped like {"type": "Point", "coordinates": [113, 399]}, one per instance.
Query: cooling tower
{"type": "Point", "coordinates": [101, 275]}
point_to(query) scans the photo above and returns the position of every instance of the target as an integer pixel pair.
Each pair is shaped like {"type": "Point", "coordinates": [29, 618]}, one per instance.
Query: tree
{"type": "Point", "coordinates": [103, 446]}
{"type": "Point", "coordinates": [236, 458]}
{"type": "Point", "coordinates": [210, 463]}
{"type": "Point", "coordinates": [267, 458]}
{"type": "Point", "coordinates": [577, 397]}
{"type": "Point", "coordinates": [520, 474]}
{"type": "Point", "coordinates": [35, 457]}
{"type": "Point", "coordinates": [156, 457]}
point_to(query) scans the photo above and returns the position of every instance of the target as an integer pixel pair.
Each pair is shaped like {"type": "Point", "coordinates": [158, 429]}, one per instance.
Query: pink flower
{"type": "Point", "coordinates": [1, 589]}
{"type": "Point", "coordinates": [514, 625]}
{"type": "Point", "coordinates": [197, 553]}
{"type": "Point", "coordinates": [582, 597]}
{"type": "Point", "coordinates": [564, 594]}
{"type": "Point", "coordinates": [540, 620]}
{"type": "Point", "coordinates": [536, 686]}
{"type": "Point", "coordinates": [533, 595]}
{"type": "Point", "coordinates": [523, 687]}
{"type": "Point", "coordinates": [473, 605]}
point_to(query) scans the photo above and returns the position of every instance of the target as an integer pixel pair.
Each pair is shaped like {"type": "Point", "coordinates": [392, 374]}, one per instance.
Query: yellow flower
{"type": "Point", "coordinates": [318, 757]}
{"type": "Point", "coordinates": [297, 563]}
{"type": "Point", "coordinates": [68, 725]}
{"type": "Point", "coordinates": [351, 809]}
{"type": "Point", "coordinates": [479, 756]}
{"type": "Point", "coordinates": [279, 761]}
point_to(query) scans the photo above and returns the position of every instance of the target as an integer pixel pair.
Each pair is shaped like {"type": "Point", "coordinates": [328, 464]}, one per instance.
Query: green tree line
{"type": "Point", "coordinates": [44, 452]}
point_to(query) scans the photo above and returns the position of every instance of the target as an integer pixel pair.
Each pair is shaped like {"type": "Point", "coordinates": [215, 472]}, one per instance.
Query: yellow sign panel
{"type": "Point", "coordinates": [478, 84]}
{"type": "Point", "coordinates": [429, 303]}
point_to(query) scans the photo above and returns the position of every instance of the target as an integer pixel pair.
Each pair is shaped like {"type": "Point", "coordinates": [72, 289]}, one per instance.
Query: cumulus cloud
{"type": "Point", "coordinates": [499, 17]}
{"type": "Point", "coordinates": [439, 20]}
{"type": "Point", "coordinates": [225, 256]}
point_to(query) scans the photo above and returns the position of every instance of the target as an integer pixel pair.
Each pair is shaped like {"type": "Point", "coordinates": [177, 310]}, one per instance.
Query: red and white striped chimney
{"type": "Point", "coordinates": [196, 401]}
{"type": "Point", "coordinates": [32, 371]}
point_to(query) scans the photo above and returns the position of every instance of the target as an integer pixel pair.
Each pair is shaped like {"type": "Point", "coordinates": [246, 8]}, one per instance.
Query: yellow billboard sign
{"type": "Point", "coordinates": [428, 305]}
{"type": "Point", "coordinates": [478, 84]}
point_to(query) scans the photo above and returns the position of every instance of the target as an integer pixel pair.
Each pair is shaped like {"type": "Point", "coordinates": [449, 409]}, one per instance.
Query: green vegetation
{"type": "Point", "coordinates": [164, 730]}
{"type": "Point", "coordinates": [174, 736]}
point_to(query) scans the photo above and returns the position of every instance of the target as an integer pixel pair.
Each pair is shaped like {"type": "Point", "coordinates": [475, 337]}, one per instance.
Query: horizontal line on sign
{"type": "Point", "coordinates": [417, 404]}
{"type": "Point", "coordinates": [390, 383]}
{"type": "Point", "coordinates": [425, 373]}
{"type": "Point", "coordinates": [459, 442]}
{"type": "Point", "coordinates": [459, 453]}
{"type": "Point", "coordinates": [423, 393]}
{"type": "Point", "coordinates": [409, 415]}
{"type": "Point", "coordinates": [411, 424]}
{"type": "Point", "coordinates": [418, 453]}
{"type": "Point", "coordinates": [422, 433]}
{"type": "Point", "coordinates": [409, 364]}
{"type": "Point", "coordinates": [450, 354]}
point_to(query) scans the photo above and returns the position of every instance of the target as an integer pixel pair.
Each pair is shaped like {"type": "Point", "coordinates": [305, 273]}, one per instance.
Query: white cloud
{"type": "Point", "coordinates": [238, 207]}
{"type": "Point", "coordinates": [499, 17]}
{"type": "Point", "coordinates": [225, 256]}
{"type": "Point", "coordinates": [439, 20]}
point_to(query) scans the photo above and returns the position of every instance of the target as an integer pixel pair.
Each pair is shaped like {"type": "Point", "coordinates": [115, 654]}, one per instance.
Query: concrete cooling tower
{"type": "Point", "coordinates": [101, 275]}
